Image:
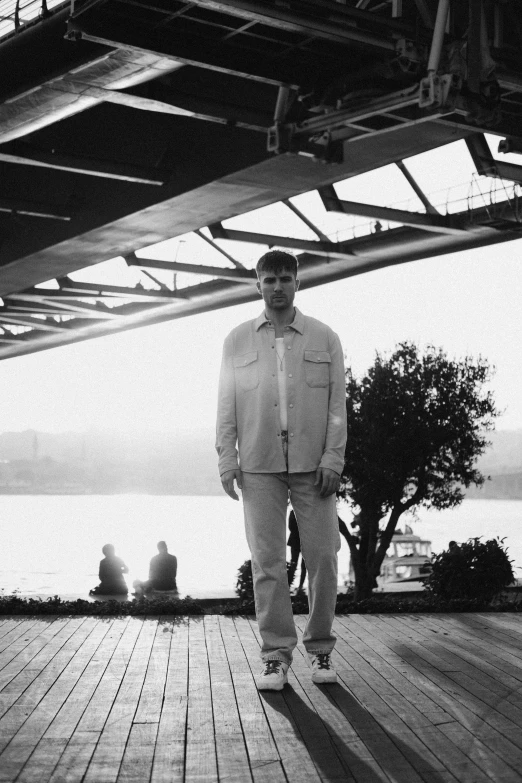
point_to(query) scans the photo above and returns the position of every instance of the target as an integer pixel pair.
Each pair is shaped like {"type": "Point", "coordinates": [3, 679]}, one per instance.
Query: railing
{"type": "Point", "coordinates": [16, 14]}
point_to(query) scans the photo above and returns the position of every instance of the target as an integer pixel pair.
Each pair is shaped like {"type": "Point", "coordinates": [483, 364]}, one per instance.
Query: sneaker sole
{"type": "Point", "coordinates": [267, 687]}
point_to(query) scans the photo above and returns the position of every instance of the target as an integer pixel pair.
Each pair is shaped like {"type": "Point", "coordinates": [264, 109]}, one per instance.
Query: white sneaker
{"type": "Point", "coordinates": [322, 669]}
{"type": "Point", "coordinates": [273, 677]}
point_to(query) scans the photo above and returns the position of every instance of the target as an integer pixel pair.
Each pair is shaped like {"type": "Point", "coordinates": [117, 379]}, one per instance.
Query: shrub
{"type": "Point", "coordinates": [245, 592]}
{"type": "Point", "coordinates": [54, 605]}
{"type": "Point", "coordinates": [245, 582]}
{"type": "Point", "coordinates": [472, 570]}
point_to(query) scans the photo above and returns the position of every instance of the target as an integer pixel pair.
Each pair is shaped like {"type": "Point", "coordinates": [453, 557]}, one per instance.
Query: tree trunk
{"type": "Point", "coordinates": [364, 586]}
{"type": "Point", "coordinates": [363, 556]}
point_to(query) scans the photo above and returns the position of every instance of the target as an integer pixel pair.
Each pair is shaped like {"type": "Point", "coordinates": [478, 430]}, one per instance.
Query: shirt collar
{"type": "Point", "coordinates": [297, 324]}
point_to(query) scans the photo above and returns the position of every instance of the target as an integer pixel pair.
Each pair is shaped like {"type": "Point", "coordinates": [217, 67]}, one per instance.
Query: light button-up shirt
{"type": "Point", "coordinates": [248, 423]}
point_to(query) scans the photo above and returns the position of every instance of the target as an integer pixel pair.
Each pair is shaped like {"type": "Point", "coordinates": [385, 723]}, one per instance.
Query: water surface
{"type": "Point", "coordinates": [52, 544]}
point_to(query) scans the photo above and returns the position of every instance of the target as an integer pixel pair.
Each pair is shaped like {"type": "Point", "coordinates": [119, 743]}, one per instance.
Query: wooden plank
{"type": "Point", "coordinates": [35, 654]}
{"type": "Point", "coordinates": [17, 628]}
{"type": "Point", "coordinates": [30, 732]}
{"type": "Point", "coordinates": [232, 757]}
{"type": "Point", "coordinates": [81, 746]}
{"type": "Point", "coordinates": [16, 642]}
{"type": "Point", "coordinates": [200, 758]}
{"type": "Point", "coordinates": [377, 720]}
{"type": "Point", "coordinates": [136, 765]}
{"type": "Point", "coordinates": [455, 761]}
{"type": "Point", "coordinates": [493, 765]}
{"type": "Point", "coordinates": [502, 659]}
{"type": "Point", "coordinates": [365, 645]}
{"type": "Point", "coordinates": [482, 666]}
{"type": "Point", "coordinates": [25, 691]}
{"type": "Point", "coordinates": [151, 696]}
{"type": "Point", "coordinates": [43, 760]}
{"type": "Point", "coordinates": [69, 715]}
{"type": "Point", "coordinates": [446, 686]}
{"type": "Point", "coordinates": [139, 753]}
{"type": "Point", "coordinates": [105, 762]}
{"type": "Point", "coordinates": [263, 755]}
{"type": "Point", "coordinates": [344, 756]}
{"type": "Point", "coordinates": [493, 739]}
{"type": "Point", "coordinates": [75, 758]}
{"type": "Point", "coordinates": [100, 705]}
{"type": "Point", "coordinates": [296, 759]}
{"type": "Point", "coordinates": [169, 756]}
{"type": "Point", "coordinates": [506, 636]}
{"type": "Point", "coordinates": [107, 700]}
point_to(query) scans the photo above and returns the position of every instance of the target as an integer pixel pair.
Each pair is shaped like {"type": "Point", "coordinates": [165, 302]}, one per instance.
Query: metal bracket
{"type": "Point", "coordinates": [435, 90]}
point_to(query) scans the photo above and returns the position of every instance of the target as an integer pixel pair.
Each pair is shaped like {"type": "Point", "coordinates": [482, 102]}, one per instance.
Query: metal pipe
{"type": "Point", "coordinates": [438, 35]}
{"type": "Point", "coordinates": [282, 103]}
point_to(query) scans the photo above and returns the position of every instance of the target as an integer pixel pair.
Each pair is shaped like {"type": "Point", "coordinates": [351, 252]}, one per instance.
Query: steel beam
{"type": "Point", "coordinates": [425, 12]}
{"type": "Point", "coordinates": [370, 253]}
{"type": "Point", "coordinates": [82, 289]}
{"type": "Point", "coordinates": [33, 323]}
{"type": "Point", "coordinates": [87, 166]}
{"type": "Point", "coordinates": [332, 249]}
{"type": "Point", "coordinates": [235, 275]}
{"type": "Point", "coordinates": [305, 220]}
{"type": "Point", "coordinates": [396, 100]}
{"type": "Point", "coordinates": [438, 224]}
{"type": "Point", "coordinates": [33, 209]}
{"type": "Point", "coordinates": [170, 48]}
{"type": "Point", "coordinates": [329, 20]}
{"type": "Point", "coordinates": [487, 165]}
{"type": "Point", "coordinates": [42, 309]}
{"type": "Point", "coordinates": [428, 206]}
{"type": "Point", "coordinates": [219, 249]}
{"type": "Point", "coordinates": [148, 104]}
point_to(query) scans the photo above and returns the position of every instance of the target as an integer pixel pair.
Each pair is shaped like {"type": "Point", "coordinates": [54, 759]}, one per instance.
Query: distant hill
{"type": "Point", "coordinates": [505, 453]}
{"type": "Point", "coordinates": [165, 463]}
{"type": "Point", "coordinates": [180, 463]}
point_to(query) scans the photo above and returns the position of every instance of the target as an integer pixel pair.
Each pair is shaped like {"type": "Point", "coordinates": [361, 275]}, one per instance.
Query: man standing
{"type": "Point", "coordinates": [281, 431]}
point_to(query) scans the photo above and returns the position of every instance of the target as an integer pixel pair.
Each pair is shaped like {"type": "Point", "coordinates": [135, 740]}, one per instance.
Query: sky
{"type": "Point", "coordinates": [164, 377]}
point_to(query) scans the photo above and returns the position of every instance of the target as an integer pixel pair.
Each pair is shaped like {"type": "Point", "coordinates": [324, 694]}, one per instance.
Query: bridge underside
{"type": "Point", "coordinates": [129, 122]}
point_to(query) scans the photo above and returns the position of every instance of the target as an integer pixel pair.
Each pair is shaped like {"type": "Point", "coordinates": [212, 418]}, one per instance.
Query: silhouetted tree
{"type": "Point", "coordinates": [416, 425]}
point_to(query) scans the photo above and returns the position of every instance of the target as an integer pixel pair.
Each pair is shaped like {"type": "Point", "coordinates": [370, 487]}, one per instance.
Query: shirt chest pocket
{"type": "Point", "coordinates": [317, 368]}
{"type": "Point", "coordinates": [246, 368]}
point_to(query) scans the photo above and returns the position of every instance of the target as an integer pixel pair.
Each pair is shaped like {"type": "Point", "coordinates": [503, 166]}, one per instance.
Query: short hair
{"type": "Point", "coordinates": [277, 261]}
{"type": "Point", "coordinates": [108, 549]}
{"type": "Point", "coordinates": [162, 545]}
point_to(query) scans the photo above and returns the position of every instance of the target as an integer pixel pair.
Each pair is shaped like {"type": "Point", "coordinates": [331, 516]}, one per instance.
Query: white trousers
{"type": "Point", "coordinates": [265, 502]}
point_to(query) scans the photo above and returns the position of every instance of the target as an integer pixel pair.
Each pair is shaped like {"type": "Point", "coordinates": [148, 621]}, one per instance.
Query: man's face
{"type": "Point", "coordinates": [278, 288]}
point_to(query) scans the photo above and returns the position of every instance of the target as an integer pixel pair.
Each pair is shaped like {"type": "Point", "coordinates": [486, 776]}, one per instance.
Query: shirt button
{"type": "Point", "coordinates": [288, 347]}
{"type": "Point", "coordinates": [275, 404]}
{"type": "Point", "coordinates": [289, 374]}
{"type": "Point", "coordinates": [291, 434]}
{"type": "Point", "coordinates": [291, 405]}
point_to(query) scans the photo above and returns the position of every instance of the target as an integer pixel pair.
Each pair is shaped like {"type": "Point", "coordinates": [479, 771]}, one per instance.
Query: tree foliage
{"type": "Point", "coordinates": [416, 425]}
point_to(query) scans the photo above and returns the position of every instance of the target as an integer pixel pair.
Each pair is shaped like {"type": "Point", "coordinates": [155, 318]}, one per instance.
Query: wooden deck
{"type": "Point", "coordinates": [420, 698]}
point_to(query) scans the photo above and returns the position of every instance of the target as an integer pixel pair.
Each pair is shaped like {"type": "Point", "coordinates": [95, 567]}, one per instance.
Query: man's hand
{"type": "Point", "coordinates": [327, 480]}
{"type": "Point", "coordinates": [227, 479]}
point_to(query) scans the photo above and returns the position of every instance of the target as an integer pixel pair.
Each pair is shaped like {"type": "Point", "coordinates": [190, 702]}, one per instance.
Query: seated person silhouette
{"type": "Point", "coordinates": [163, 569]}
{"type": "Point", "coordinates": [110, 574]}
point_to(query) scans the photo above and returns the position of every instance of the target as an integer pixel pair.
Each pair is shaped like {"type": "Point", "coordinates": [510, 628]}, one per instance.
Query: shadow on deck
{"type": "Point", "coordinates": [420, 698]}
